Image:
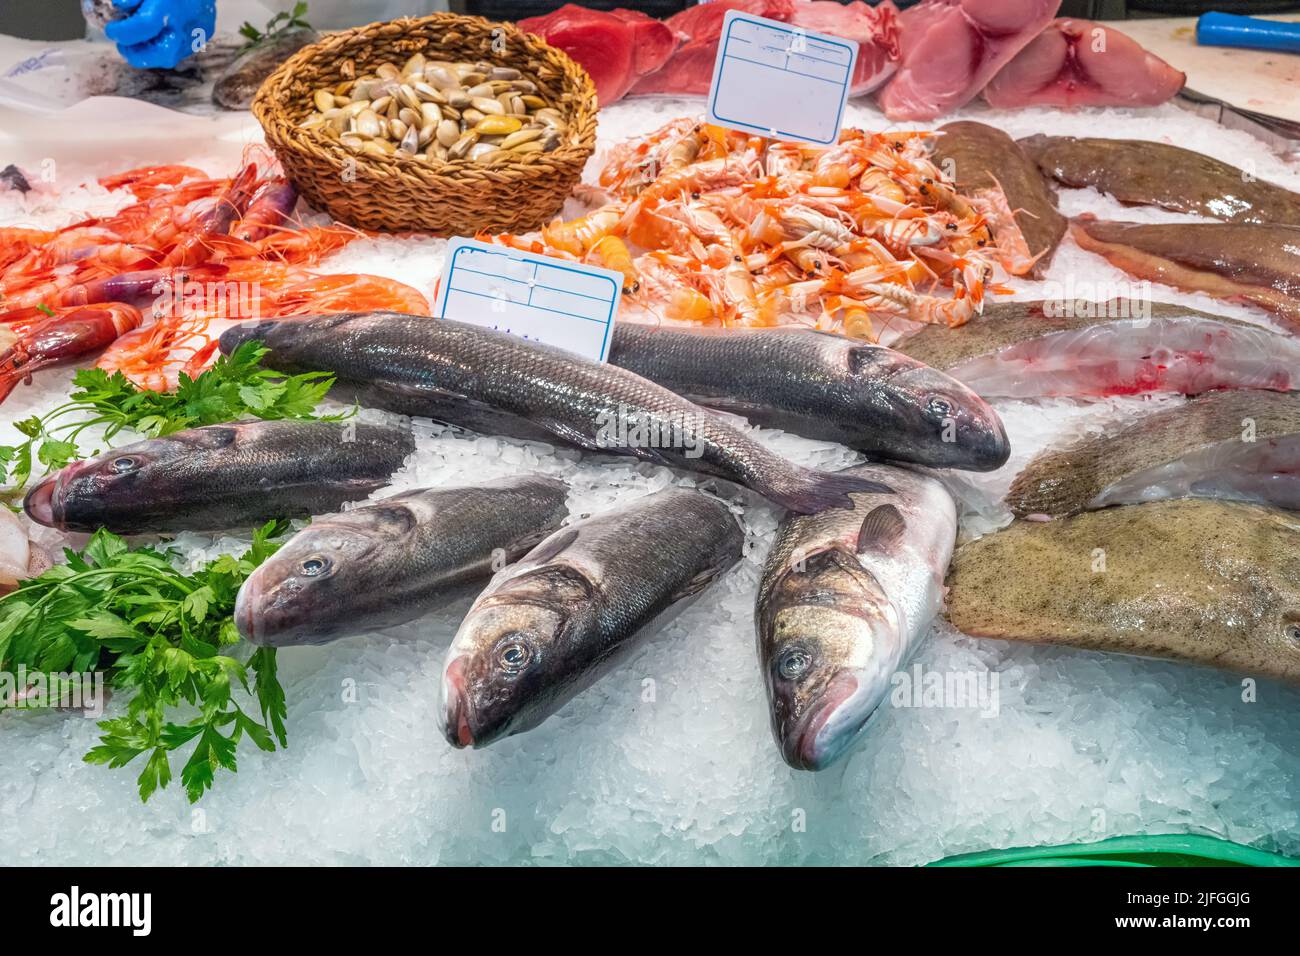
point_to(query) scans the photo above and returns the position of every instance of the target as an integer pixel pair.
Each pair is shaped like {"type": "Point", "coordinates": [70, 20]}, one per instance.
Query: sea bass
{"type": "Point", "coordinates": [503, 384]}
{"type": "Point", "coordinates": [394, 560]}
{"type": "Point", "coordinates": [993, 170]}
{"type": "Point", "coordinates": [846, 596]}
{"type": "Point", "coordinates": [1242, 446]}
{"type": "Point", "coordinates": [221, 476]}
{"type": "Point", "coordinates": [1143, 173]}
{"type": "Point", "coordinates": [822, 386]}
{"type": "Point", "coordinates": [1203, 582]}
{"type": "Point", "coordinates": [548, 627]}
{"type": "Point", "coordinates": [1119, 347]}
{"type": "Point", "coordinates": [1239, 262]}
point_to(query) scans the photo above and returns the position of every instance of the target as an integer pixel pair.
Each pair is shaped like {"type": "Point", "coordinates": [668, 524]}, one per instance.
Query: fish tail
{"type": "Point", "coordinates": [807, 491]}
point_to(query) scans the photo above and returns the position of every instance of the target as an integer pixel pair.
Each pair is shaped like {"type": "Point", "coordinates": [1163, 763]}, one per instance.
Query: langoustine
{"type": "Point", "coordinates": [742, 231]}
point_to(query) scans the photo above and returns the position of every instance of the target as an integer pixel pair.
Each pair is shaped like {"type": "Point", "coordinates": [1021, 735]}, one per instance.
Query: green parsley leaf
{"type": "Point", "coordinates": [158, 635]}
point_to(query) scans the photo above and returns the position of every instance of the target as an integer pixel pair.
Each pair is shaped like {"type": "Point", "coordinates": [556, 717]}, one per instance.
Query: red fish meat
{"type": "Point", "coordinates": [616, 48]}
{"type": "Point", "coordinates": [1082, 63]}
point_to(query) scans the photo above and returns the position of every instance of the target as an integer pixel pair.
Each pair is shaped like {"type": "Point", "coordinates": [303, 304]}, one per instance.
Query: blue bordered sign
{"type": "Point", "coordinates": [780, 81]}
{"type": "Point", "coordinates": [566, 304]}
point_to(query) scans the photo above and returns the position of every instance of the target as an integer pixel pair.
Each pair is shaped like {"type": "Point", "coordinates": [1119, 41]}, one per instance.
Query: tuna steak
{"type": "Point", "coordinates": [952, 48]}
{"type": "Point", "coordinates": [616, 48]}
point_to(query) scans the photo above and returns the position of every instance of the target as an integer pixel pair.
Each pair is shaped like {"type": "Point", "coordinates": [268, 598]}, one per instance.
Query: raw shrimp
{"type": "Point", "coordinates": [65, 337]}
{"type": "Point", "coordinates": [347, 293]}
{"type": "Point", "coordinates": [154, 357]}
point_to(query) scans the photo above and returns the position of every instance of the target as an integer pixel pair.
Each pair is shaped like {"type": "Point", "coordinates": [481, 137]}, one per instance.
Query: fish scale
{"type": "Point", "coordinates": [846, 596]}
{"type": "Point", "coordinates": [504, 384]}
{"type": "Point", "coordinates": [221, 476]}
{"type": "Point", "coordinates": [389, 562]}
{"type": "Point", "coordinates": [550, 625]}
{"type": "Point", "coordinates": [822, 386]}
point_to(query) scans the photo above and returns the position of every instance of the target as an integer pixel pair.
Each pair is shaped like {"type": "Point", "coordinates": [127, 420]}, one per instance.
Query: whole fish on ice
{"type": "Point", "coordinates": [991, 168]}
{"type": "Point", "coordinates": [1119, 347]}
{"type": "Point", "coordinates": [846, 595]}
{"type": "Point", "coordinates": [822, 386]}
{"type": "Point", "coordinates": [394, 560]}
{"type": "Point", "coordinates": [1203, 582]}
{"type": "Point", "coordinates": [1256, 263]}
{"type": "Point", "coordinates": [221, 476]}
{"type": "Point", "coordinates": [502, 384]}
{"type": "Point", "coordinates": [548, 627]}
{"type": "Point", "coordinates": [1238, 445]}
{"type": "Point", "coordinates": [1138, 172]}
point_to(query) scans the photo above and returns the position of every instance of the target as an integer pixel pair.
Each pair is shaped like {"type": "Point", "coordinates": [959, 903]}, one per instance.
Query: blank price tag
{"type": "Point", "coordinates": [780, 81]}
{"type": "Point", "coordinates": [566, 304]}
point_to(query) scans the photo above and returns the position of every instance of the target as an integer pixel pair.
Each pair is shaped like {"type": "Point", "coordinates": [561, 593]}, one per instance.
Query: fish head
{"type": "Point", "coordinates": [958, 428]}
{"type": "Point", "coordinates": [313, 588]}
{"type": "Point", "coordinates": [514, 660]}
{"type": "Point", "coordinates": [830, 640]}
{"type": "Point", "coordinates": [121, 489]}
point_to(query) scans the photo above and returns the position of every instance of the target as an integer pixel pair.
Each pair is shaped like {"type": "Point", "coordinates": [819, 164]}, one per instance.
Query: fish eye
{"type": "Point", "coordinates": [939, 407]}
{"type": "Point", "coordinates": [513, 656]}
{"type": "Point", "coordinates": [123, 464]}
{"type": "Point", "coordinates": [1292, 631]}
{"type": "Point", "coordinates": [314, 566]}
{"type": "Point", "coordinates": [794, 663]}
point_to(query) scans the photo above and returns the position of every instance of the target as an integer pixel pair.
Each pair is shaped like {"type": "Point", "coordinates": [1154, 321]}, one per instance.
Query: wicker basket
{"type": "Point", "coordinates": [399, 194]}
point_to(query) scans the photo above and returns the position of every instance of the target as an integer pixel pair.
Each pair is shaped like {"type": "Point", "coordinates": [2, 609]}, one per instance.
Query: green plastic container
{"type": "Point", "coordinates": [1170, 849]}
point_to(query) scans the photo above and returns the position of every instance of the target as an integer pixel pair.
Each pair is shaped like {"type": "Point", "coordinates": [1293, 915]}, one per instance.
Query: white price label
{"type": "Point", "coordinates": [566, 304]}
{"type": "Point", "coordinates": [780, 81]}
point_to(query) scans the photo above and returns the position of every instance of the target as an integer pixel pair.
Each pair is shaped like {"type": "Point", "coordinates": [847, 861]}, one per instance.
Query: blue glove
{"type": "Point", "coordinates": [158, 34]}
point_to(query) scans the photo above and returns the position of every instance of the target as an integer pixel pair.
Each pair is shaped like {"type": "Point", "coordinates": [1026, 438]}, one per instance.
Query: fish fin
{"type": "Point", "coordinates": [419, 391]}
{"type": "Point", "coordinates": [552, 546]}
{"type": "Point", "coordinates": [864, 358]}
{"type": "Point", "coordinates": [698, 583]}
{"type": "Point", "coordinates": [807, 491]}
{"type": "Point", "coordinates": [729, 405]}
{"type": "Point", "coordinates": [881, 529]}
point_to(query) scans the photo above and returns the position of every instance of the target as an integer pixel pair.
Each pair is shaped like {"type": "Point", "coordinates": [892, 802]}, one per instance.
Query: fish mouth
{"type": "Point", "coordinates": [44, 502]}
{"type": "Point", "coordinates": [824, 734]}
{"type": "Point", "coordinates": [455, 705]}
{"type": "Point", "coordinates": [994, 447]}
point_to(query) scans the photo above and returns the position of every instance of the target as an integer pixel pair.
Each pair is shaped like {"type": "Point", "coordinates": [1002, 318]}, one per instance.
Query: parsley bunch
{"type": "Point", "coordinates": [161, 634]}
{"type": "Point", "coordinates": [235, 387]}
